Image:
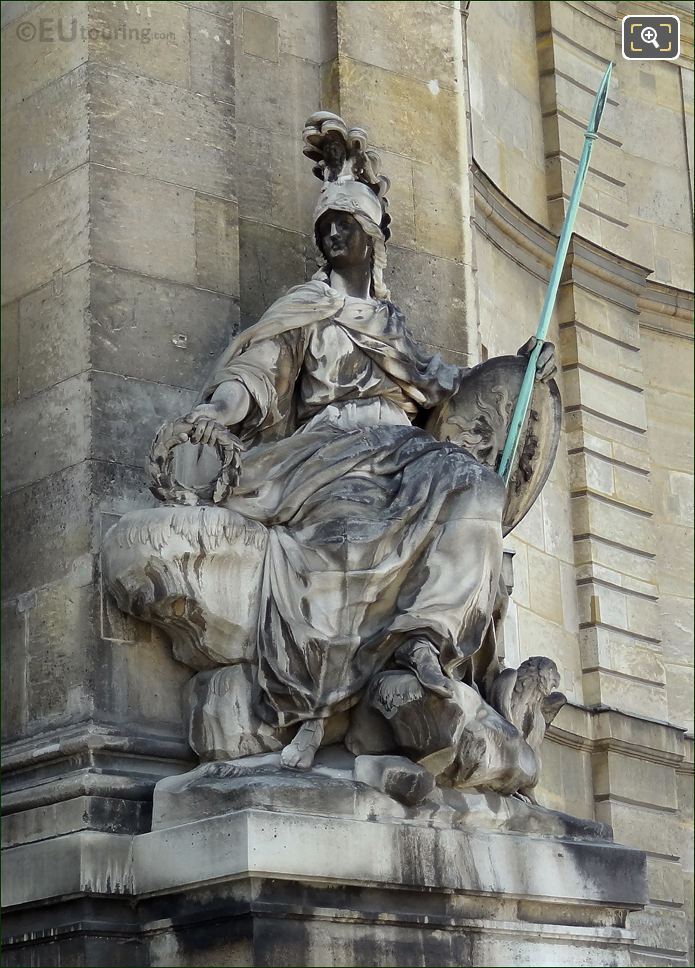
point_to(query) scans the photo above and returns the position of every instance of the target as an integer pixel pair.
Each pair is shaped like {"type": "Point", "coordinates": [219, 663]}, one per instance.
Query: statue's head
{"type": "Point", "coordinates": [351, 219]}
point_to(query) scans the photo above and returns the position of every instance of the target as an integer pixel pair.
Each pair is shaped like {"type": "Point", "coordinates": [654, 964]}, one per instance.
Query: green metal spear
{"type": "Point", "coordinates": [522, 404]}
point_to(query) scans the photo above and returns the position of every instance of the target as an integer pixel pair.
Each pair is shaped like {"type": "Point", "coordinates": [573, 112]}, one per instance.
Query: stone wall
{"type": "Point", "coordinates": [603, 564]}
{"type": "Point", "coordinates": [156, 199]}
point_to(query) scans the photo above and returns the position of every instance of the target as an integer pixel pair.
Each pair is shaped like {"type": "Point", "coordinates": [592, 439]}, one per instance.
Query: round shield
{"type": "Point", "coordinates": [477, 418]}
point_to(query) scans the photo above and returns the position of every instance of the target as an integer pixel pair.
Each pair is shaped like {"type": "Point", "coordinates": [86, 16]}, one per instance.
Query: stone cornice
{"type": "Point", "coordinates": [589, 266]}
{"type": "Point", "coordinates": [600, 729]}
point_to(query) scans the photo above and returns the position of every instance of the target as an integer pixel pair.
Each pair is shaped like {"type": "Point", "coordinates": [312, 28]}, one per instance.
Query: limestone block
{"type": "Point", "coordinates": [51, 521]}
{"type": "Point", "coordinates": [675, 443]}
{"type": "Point", "coordinates": [656, 198]}
{"type": "Point", "coordinates": [677, 627]}
{"type": "Point", "coordinates": [614, 522]}
{"type": "Point", "coordinates": [212, 55]}
{"type": "Point", "coordinates": [14, 698]}
{"type": "Point", "coordinates": [150, 128]}
{"type": "Point", "coordinates": [658, 927]}
{"type": "Point", "coordinates": [439, 225]}
{"type": "Point", "coordinates": [641, 826]}
{"type": "Point", "coordinates": [430, 291]}
{"type": "Point", "coordinates": [556, 506]}
{"type": "Point", "coordinates": [622, 652]}
{"type": "Point", "coordinates": [565, 782]}
{"type": "Point", "coordinates": [544, 584]}
{"type": "Point", "coordinates": [413, 39]}
{"type": "Point", "coordinates": [54, 331]}
{"type": "Point", "coordinates": [46, 233]}
{"type": "Point", "coordinates": [301, 27]}
{"type": "Point", "coordinates": [666, 882]}
{"type": "Point", "coordinates": [45, 52]}
{"type": "Point", "coordinates": [604, 687]}
{"type": "Point", "coordinates": [259, 33]}
{"type": "Point", "coordinates": [615, 400]}
{"type": "Point", "coordinates": [680, 684]}
{"type": "Point", "coordinates": [531, 528]}
{"type": "Point", "coordinates": [46, 433]}
{"type": "Point", "coordinates": [148, 684]}
{"type": "Point", "coordinates": [144, 40]}
{"type": "Point", "coordinates": [411, 116]}
{"type": "Point", "coordinates": [10, 353]}
{"type": "Point", "coordinates": [632, 566]}
{"type": "Point", "coordinates": [568, 592]}
{"type": "Point", "coordinates": [60, 628]}
{"type": "Point", "coordinates": [666, 145]}
{"type": "Point", "coordinates": [142, 224]}
{"type": "Point", "coordinates": [271, 261]}
{"type": "Point", "coordinates": [678, 244]}
{"type": "Point", "coordinates": [275, 183]}
{"type": "Point", "coordinates": [127, 413]}
{"type": "Point", "coordinates": [217, 243]}
{"type": "Point", "coordinates": [277, 97]}
{"type": "Point", "coordinates": [45, 136]}
{"type": "Point", "coordinates": [185, 327]}
{"type": "Point", "coordinates": [675, 557]}
{"type": "Point", "coordinates": [221, 722]}
{"type": "Point", "coordinates": [628, 778]}
{"type": "Point", "coordinates": [219, 8]}
{"type": "Point", "coordinates": [608, 320]}
{"type": "Point", "coordinates": [195, 572]}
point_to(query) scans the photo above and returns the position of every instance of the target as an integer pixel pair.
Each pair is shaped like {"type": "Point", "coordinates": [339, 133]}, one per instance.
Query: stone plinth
{"type": "Point", "coordinates": [258, 887]}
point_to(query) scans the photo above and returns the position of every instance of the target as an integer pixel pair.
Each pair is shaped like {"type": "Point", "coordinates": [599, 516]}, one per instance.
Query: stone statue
{"type": "Point", "coordinates": [340, 581]}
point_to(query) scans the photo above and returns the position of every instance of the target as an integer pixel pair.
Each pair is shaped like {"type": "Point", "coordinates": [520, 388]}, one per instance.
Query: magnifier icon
{"type": "Point", "coordinates": [649, 36]}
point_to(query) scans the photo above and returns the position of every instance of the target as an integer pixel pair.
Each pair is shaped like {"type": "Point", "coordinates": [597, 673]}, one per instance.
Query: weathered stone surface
{"type": "Point", "coordinates": [276, 96]}
{"type": "Point", "coordinates": [145, 41]}
{"type": "Point", "coordinates": [187, 327]}
{"type": "Point", "coordinates": [144, 225]}
{"type": "Point", "coordinates": [222, 725]}
{"type": "Point", "coordinates": [10, 352]}
{"type": "Point", "coordinates": [151, 128]}
{"type": "Point", "coordinates": [14, 698]}
{"type": "Point", "coordinates": [271, 260]}
{"type": "Point", "coordinates": [55, 515]}
{"type": "Point", "coordinates": [396, 776]}
{"type": "Point", "coordinates": [46, 233]}
{"type": "Point", "coordinates": [40, 54]}
{"type": "Point", "coordinates": [46, 433]}
{"type": "Point", "coordinates": [217, 243]}
{"type": "Point", "coordinates": [45, 136]}
{"type": "Point", "coordinates": [116, 436]}
{"type": "Point", "coordinates": [45, 315]}
{"type": "Point", "coordinates": [212, 55]}
{"type": "Point", "coordinates": [430, 293]}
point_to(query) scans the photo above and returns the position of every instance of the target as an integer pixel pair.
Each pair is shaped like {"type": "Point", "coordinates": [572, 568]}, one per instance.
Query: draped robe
{"type": "Point", "coordinates": [377, 532]}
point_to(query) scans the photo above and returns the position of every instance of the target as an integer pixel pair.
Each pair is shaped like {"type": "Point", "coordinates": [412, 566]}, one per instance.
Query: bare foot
{"type": "Point", "coordinates": [420, 656]}
{"type": "Point", "coordinates": [299, 754]}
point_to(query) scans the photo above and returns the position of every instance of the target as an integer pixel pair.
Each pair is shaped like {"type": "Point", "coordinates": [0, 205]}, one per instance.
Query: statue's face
{"type": "Point", "coordinates": [344, 242]}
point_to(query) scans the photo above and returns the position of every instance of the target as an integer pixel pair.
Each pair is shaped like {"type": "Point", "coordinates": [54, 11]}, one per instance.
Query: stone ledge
{"type": "Point", "coordinates": [254, 887]}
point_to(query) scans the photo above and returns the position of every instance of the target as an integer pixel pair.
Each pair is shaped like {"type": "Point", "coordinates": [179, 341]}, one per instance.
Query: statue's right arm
{"type": "Point", "coordinates": [228, 406]}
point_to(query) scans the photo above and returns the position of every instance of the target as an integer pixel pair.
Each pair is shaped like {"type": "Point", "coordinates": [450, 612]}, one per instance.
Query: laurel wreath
{"type": "Point", "coordinates": [160, 466]}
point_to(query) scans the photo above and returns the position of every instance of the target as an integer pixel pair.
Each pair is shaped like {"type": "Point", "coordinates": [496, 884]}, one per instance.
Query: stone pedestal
{"type": "Point", "coordinates": [259, 887]}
